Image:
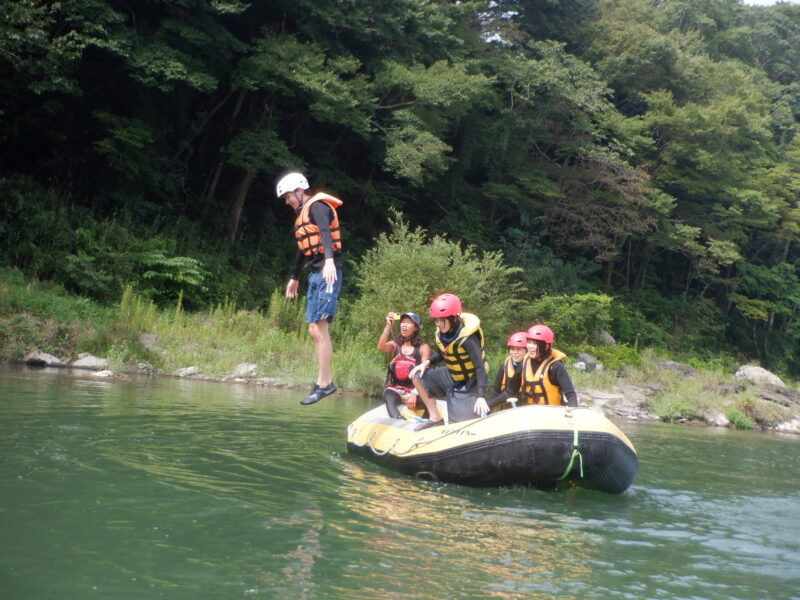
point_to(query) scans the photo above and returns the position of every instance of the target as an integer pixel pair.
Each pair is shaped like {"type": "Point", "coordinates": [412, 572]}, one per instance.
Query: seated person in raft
{"type": "Point", "coordinates": [544, 377]}
{"type": "Point", "coordinates": [507, 381]}
{"type": "Point", "coordinates": [408, 350]}
{"type": "Point", "coordinates": [462, 380]}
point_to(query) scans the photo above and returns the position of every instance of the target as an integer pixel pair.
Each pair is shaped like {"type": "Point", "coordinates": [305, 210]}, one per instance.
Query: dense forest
{"type": "Point", "coordinates": [642, 149]}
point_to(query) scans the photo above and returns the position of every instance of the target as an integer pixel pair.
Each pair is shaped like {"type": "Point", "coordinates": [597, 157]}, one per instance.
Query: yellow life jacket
{"type": "Point", "coordinates": [455, 355]}
{"type": "Point", "coordinates": [307, 233]}
{"type": "Point", "coordinates": [535, 386]}
{"type": "Point", "coordinates": [508, 372]}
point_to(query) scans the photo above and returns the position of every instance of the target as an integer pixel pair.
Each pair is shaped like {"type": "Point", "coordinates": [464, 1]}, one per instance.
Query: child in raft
{"type": "Point", "coordinates": [408, 350]}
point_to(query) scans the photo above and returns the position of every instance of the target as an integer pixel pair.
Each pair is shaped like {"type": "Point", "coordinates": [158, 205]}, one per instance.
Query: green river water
{"type": "Point", "coordinates": [167, 488]}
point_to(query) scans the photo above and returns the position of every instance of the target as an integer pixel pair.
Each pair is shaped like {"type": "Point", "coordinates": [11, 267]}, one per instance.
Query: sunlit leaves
{"type": "Point", "coordinates": [330, 85]}
{"type": "Point", "coordinates": [257, 150]}
{"type": "Point", "coordinates": [412, 152]}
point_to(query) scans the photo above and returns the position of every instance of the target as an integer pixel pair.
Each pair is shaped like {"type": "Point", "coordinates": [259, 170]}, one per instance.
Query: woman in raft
{"type": "Point", "coordinates": [507, 381]}
{"type": "Point", "coordinates": [544, 377]}
{"type": "Point", "coordinates": [408, 350]}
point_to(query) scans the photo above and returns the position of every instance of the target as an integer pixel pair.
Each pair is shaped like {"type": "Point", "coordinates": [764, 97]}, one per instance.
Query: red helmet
{"type": "Point", "coordinates": [445, 305]}
{"type": "Point", "coordinates": [517, 340]}
{"type": "Point", "coordinates": [540, 332]}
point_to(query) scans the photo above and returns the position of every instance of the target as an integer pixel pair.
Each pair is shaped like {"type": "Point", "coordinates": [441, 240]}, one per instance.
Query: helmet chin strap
{"type": "Point", "coordinates": [299, 200]}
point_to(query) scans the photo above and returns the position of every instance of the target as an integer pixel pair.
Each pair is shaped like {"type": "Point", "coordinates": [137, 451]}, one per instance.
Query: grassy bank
{"type": "Point", "coordinates": [34, 315]}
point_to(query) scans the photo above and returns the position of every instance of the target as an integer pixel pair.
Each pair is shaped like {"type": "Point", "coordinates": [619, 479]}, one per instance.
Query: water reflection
{"type": "Point", "coordinates": [418, 531]}
{"type": "Point", "coordinates": [195, 490]}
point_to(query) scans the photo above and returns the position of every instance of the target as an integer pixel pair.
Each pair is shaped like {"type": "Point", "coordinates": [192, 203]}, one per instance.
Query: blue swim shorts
{"type": "Point", "coordinates": [321, 300]}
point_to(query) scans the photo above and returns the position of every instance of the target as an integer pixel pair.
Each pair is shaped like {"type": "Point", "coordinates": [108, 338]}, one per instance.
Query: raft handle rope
{"type": "Point", "coordinates": [352, 433]}
{"type": "Point", "coordinates": [368, 444]}
{"type": "Point", "coordinates": [378, 452]}
{"type": "Point", "coordinates": [575, 452]}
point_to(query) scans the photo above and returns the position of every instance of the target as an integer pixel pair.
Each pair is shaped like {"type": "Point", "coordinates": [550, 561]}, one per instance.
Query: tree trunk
{"type": "Point", "coordinates": [238, 204]}
{"type": "Point", "coordinates": [640, 277]}
{"type": "Point", "coordinates": [212, 187]}
{"type": "Point", "coordinates": [609, 272]}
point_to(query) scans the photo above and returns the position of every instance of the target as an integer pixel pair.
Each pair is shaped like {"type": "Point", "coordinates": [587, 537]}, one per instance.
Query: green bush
{"type": "Point", "coordinates": [406, 269]}
{"type": "Point", "coordinates": [613, 357]}
{"type": "Point", "coordinates": [42, 316]}
{"type": "Point", "coordinates": [575, 319]}
{"type": "Point", "coordinates": [738, 419]}
{"type": "Point", "coordinates": [675, 409]}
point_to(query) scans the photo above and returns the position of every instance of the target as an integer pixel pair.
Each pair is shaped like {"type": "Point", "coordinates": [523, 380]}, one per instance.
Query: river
{"type": "Point", "coordinates": [169, 488]}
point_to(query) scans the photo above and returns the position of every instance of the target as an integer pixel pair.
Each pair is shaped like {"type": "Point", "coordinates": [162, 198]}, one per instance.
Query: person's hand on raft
{"type": "Point", "coordinates": [419, 370]}
{"type": "Point", "coordinates": [481, 407]}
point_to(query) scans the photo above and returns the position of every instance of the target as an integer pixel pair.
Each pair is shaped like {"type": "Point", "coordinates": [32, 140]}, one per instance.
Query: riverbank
{"type": "Point", "coordinates": [657, 390]}
{"type": "Point", "coordinates": [44, 326]}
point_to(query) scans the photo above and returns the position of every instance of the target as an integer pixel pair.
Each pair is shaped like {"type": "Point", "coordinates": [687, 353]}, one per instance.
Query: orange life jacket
{"type": "Point", "coordinates": [306, 231]}
{"type": "Point", "coordinates": [535, 386]}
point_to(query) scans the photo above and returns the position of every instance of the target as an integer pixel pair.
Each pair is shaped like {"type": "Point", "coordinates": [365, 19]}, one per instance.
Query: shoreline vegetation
{"type": "Point", "coordinates": [41, 324]}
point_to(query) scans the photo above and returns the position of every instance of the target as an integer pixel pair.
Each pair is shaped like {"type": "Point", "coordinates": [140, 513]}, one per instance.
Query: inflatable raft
{"type": "Point", "coordinates": [540, 446]}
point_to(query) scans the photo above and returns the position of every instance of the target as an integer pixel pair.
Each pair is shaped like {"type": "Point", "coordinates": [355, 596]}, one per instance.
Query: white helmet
{"type": "Point", "coordinates": [290, 183]}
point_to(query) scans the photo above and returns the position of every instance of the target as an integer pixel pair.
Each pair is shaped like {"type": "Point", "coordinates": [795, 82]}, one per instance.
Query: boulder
{"type": "Point", "coordinates": [779, 395]}
{"type": "Point", "coordinates": [628, 401]}
{"type": "Point", "coordinates": [89, 361]}
{"type": "Point", "coordinates": [186, 371]}
{"type": "Point", "coordinates": [245, 370]}
{"type": "Point", "coordinates": [606, 338]}
{"type": "Point", "coordinates": [758, 375]}
{"type": "Point", "coordinates": [37, 358]}
{"type": "Point", "coordinates": [718, 420]}
{"type": "Point", "coordinates": [675, 367]}
{"type": "Point", "coordinates": [792, 426]}
{"type": "Point", "coordinates": [103, 373]}
{"type": "Point", "coordinates": [589, 362]}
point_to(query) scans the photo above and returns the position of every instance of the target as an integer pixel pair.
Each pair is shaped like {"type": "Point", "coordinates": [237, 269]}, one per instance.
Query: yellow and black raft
{"type": "Point", "coordinates": [546, 447]}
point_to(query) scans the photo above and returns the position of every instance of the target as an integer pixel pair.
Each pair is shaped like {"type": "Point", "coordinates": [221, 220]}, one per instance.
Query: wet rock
{"type": "Point", "coordinates": [758, 375]}
{"type": "Point", "coordinates": [103, 373]}
{"type": "Point", "coordinates": [718, 420]}
{"type": "Point", "coordinates": [186, 371]}
{"type": "Point", "coordinates": [37, 358]}
{"type": "Point", "coordinates": [792, 426]}
{"type": "Point", "coordinates": [89, 361]}
{"type": "Point", "coordinates": [675, 367]}
{"type": "Point", "coordinates": [245, 370]}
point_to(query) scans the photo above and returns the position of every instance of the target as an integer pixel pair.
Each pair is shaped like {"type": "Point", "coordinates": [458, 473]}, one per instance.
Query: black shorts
{"type": "Point", "coordinates": [460, 399]}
